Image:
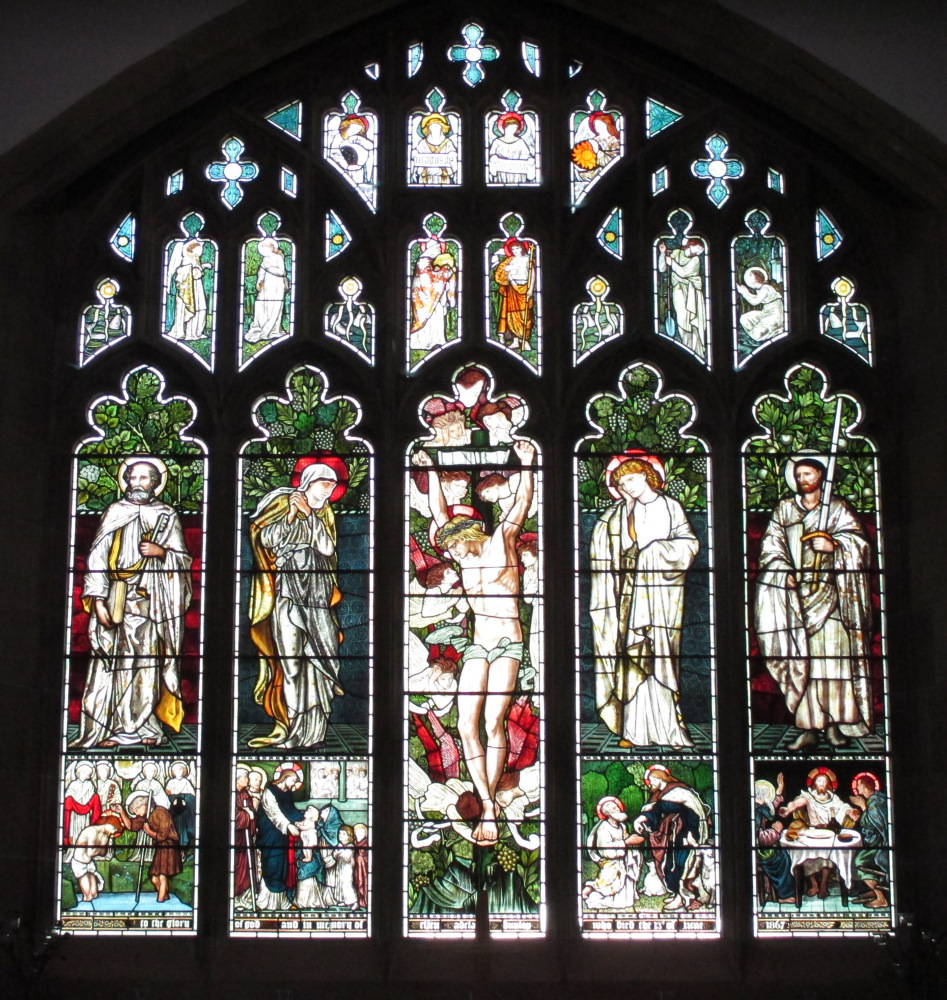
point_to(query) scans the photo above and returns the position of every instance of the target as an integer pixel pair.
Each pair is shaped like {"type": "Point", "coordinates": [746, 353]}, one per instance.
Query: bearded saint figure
{"type": "Point", "coordinates": [137, 588]}
{"type": "Point", "coordinates": [813, 610]}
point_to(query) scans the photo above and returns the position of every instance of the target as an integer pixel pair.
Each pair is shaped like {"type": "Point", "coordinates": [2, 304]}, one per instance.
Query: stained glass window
{"type": "Point", "coordinates": [473, 666]}
{"type": "Point", "coordinates": [130, 780]}
{"type": "Point", "coordinates": [630, 263]}
{"type": "Point", "coordinates": [821, 775]}
{"type": "Point", "coordinates": [645, 657]}
{"type": "Point", "coordinates": [302, 677]}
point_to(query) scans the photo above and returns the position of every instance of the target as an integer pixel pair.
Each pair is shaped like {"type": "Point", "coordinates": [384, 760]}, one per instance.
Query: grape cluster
{"type": "Point", "coordinates": [322, 438]}
{"type": "Point", "coordinates": [421, 880]}
{"type": "Point", "coordinates": [670, 438]}
{"type": "Point", "coordinates": [506, 856]}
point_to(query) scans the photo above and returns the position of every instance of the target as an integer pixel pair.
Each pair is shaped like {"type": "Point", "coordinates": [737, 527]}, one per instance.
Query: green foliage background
{"type": "Point", "coordinates": [641, 418]}
{"type": "Point", "coordinates": [804, 422]}
{"type": "Point", "coordinates": [299, 424]}
{"type": "Point", "coordinates": [141, 423]}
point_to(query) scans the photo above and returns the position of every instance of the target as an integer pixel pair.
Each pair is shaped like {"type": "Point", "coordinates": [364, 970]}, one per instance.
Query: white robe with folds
{"type": "Point", "coordinates": [816, 641]}
{"type": "Point", "coordinates": [637, 606]}
{"type": "Point", "coordinates": [304, 626]}
{"type": "Point", "coordinates": [270, 299]}
{"type": "Point", "coordinates": [137, 663]}
{"type": "Point", "coordinates": [615, 885]}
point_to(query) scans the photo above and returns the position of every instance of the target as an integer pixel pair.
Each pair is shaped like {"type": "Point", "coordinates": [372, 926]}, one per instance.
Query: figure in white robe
{"type": "Point", "coordinates": [292, 616]}
{"type": "Point", "coordinates": [813, 626]}
{"type": "Point", "coordinates": [433, 293]}
{"type": "Point", "coordinates": [766, 319]}
{"type": "Point", "coordinates": [81, 805]}
{"type": "Point", "coordinates": [188, 295]}
{"type": "Point", "coordinates": [137, 587]}
{"type": "Point", "coordinates": [271, 287]}
{"type": "Point", "coordinates": [688, 303]}
{"type": "Point", "coordinates": [340, 871]}
{"type": "Point", "coordinates": [615, 885]}
{"type": "Point", "coordinates": [511, 159]}
{"type": "Point", "coordinates": [640, 551]}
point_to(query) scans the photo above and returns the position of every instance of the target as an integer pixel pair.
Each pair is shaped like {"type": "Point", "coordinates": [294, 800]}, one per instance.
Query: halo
{"type": "Point", "coordinates": [816, 771]}
{"type": "Point", "coordinates": [605, 801]}
{"type": "Point", "coordinates": [657, 767]}
{"type": "Point", "coordinates": [184, 763]}
{"type": "Point", "coordinates": [434, 116]}
{"type": "Point", "coordinates": [326, 458]}
{"type": "Point", "coordinates": [512, 116]}
{"type": "Point", "coordinates": [789, 470]}
{"type": "Point", "coordinates": [253, 769]}
{"type": "Point", "coordinates": [508, 245]}
{"type": "Point", "coordinates": [864, 774]}
{"type": "Point", "coordinates": [285, 768]}
{"type": "Point", "coordinates": [151, 460]}
{"type": "Point", "coordinates": [617, 460]}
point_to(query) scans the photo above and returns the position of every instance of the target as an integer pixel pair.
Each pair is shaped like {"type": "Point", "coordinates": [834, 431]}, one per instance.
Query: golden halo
{"type": "Point", "coordinates": [151, 460]}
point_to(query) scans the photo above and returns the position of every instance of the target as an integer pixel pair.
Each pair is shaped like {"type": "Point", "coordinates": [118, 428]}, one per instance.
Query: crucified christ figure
{"type": "Point", "coordinates": [489, 576]}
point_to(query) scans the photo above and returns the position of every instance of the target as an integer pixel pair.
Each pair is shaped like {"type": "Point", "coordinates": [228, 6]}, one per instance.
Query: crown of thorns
{"type": "Point", "coordinates": [449, 530]}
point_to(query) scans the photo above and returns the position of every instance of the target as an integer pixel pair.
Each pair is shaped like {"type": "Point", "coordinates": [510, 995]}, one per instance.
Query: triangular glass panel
{"type": "Point", "coordinates": [372, 70]}
{"type": "Point", "coordinates": [288, 119]}
{"type": "Point", "coordinates": [828, 236]}
{"type": "Point", "coordinates": [575, 68]}
{"type": "Point", "coordinates": [658, 117]}
{"type": "Point", "coordinates": [610, 233]}
{"type": "Point", "coordinates": [122, 241]}
{"type": "Point", "coordinates": [337, 236]}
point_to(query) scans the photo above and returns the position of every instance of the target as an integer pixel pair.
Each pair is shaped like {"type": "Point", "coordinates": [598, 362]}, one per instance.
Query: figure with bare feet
{"type": "Point", "coordinates": [490, 579]}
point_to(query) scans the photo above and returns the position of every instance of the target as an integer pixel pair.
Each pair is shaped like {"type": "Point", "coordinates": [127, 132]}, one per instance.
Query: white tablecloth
{"type": "Point", "coordinates": [839, 852]}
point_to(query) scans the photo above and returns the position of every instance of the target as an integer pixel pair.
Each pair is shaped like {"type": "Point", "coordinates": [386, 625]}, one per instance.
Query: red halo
{"type": "Point", "coordinates": [864, 774]}
{"type": "Point", "coordinates": [508, 246]}
{"type": "Point", "coordinates": [512, 116]}
{"type": "Point", "coordinates": [616, 460]}
{"type": "Point", "coordinates": [334, 462]}
{"type": "Point", "coordinates": [816, 771]}
{"type": "Point", "coordinates": [603, 116]}
{"type": "Point", "coordinates": [604, 801]}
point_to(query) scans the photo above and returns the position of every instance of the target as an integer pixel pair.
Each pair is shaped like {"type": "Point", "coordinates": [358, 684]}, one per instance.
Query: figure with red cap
{"type": "Point", "coordinates": [614, 887]}
{"type": "Point", "coordinates": [292, 604]}
{"type": "Point", "coordinates": [640, 550]}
